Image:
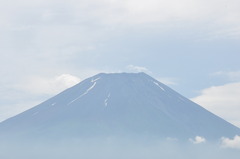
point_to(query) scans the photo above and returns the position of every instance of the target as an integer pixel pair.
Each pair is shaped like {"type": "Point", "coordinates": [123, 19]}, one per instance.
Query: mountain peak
{"type": "Point", "coordinates": [119, 104]}
{"type": "Point", "coordinates": [122, 75]}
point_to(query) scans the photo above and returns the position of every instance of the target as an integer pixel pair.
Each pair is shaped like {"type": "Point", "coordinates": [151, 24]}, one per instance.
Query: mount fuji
{"type": "Point", "coordinates": [118, 104]}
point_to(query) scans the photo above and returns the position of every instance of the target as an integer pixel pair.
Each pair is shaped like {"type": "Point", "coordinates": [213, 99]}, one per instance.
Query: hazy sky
{"type": "Point", "coordinates": [193, 46]}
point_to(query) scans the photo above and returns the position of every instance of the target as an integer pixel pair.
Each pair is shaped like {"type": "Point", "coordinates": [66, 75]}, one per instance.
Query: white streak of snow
{"type": "Point", "coordinates": [90, 88]}
{"type": "Point", "coordinates": [53, 104]}
{"type": "Point", "coordinates": [94, 80]}
{"type": "Point", "coordinates": [106, 100]}
{"type": "Point", "coordinates": [86, 92]}
{"type": "Point", "coordinates": [158, 85]}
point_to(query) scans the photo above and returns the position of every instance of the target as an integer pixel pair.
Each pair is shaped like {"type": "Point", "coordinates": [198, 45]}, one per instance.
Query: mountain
{"type": "Point", "coordinates": [118, 104]}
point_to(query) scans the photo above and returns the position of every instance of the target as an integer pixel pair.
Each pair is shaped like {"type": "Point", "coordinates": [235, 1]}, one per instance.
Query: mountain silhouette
{"type": "Point", "coordinates": [118, 104]}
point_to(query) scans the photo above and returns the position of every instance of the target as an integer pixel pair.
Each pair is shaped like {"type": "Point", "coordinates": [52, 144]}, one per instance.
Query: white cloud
{"type": "Point", "coordinates": [231, 143]}
{"type": "Point", "coordinates": [222, 100]}
{"type": "Point", "coordinates": [220, 16]}
{"type": "Point", "coordinates": [232, 75]}
{"type": "Point", "coordinates": [49, 86]}
{"type": "Point", "coordinates": [134, 68]}
{"type": "Point", "coordinates": [67, 80]}
{"type": "Point", "coordinates": [198, 140]}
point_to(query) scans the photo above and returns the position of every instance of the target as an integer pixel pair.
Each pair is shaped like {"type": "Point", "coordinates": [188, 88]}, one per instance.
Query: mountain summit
{"type": "Point", "coordinates": [119, 104]}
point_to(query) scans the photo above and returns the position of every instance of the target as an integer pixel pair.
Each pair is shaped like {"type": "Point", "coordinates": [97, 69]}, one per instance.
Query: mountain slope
{"type": "Point", "coordinates": [119, 104]}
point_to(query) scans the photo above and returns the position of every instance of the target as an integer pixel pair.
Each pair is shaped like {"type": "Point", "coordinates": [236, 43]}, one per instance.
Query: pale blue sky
{"type": "Point", "coordinates": [191, 45]}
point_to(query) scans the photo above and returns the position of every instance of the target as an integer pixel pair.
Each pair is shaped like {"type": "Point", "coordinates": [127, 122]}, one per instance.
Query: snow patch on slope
{"type": "Point", "coordinates": [158, 85]}
{"type": "Point", "coordinates": [86, 92]}
{"type": "Point", "coordinates": [106, 100]}
{"type": "Point", "coordinates": [94, 80]}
